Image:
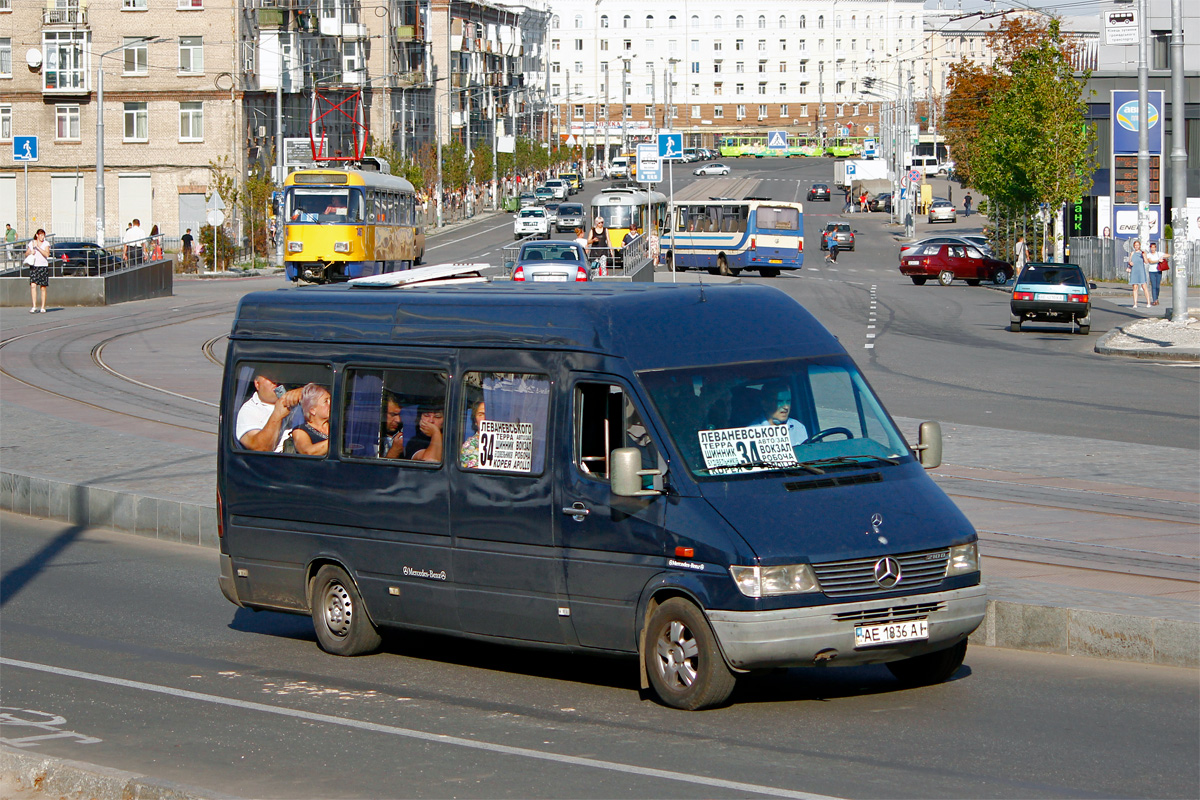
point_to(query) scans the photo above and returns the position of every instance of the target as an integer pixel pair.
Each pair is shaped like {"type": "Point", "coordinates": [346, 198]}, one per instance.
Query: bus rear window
{"type": "Point", "coordinates": [770, 218]}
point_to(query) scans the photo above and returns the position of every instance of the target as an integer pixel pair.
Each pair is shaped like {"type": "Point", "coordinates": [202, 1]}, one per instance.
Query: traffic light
{"type": "Point", "coordinates": [869, 82]}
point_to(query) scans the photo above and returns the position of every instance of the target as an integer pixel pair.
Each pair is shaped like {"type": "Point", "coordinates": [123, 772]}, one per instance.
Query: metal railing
{"type": "Point", "coordinates": [119, 257]}
{"type": "Point", "coordinates": [1104, 259]}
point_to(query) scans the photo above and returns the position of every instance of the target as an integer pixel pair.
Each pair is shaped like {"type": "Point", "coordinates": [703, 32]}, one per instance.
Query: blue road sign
{"type": "Point", "coordinates": [777, 140]}
{"type": "Point", "coordinates": [850, 170]}
{"type": "Point", "coordinates": [670, 145]}
{"type": "Point", "coordinates": [25, 148]}
{"type": "Point", "coordinates": [649, 166]}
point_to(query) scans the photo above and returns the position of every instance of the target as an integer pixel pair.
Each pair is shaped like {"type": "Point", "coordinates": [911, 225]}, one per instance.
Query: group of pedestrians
{"type": "Point", "coordinates": [1145, 271]}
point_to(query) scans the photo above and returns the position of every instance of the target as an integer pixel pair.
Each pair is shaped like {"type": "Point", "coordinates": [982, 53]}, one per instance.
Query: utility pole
{"type": "Point", "coordinates": [1179, 260]}
{"type": "Point", "coordinates": [1143, 158]}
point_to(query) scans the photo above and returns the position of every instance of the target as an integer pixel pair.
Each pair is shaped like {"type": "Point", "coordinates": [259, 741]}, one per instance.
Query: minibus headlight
{"type": "Point", "coordinates": [963, 558]}
{"type": "Point", "coordinates": [776, 580]}
{"type": "Point", "coordinates": [341, 247]}
{"type": "Point", "coordinates": [295, 247]}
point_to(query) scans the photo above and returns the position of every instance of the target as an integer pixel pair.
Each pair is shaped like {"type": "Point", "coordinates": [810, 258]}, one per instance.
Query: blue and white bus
{"type": "Point", "coordinates": [726, 236]}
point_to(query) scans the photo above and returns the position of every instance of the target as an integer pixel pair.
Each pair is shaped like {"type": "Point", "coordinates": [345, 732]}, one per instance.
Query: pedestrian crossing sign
{"type": "Point", "coordinates": [777, 140]}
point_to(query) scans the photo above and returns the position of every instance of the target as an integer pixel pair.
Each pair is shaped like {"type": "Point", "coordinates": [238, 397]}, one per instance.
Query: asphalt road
{"type": "Point", "coordinates": [120, 650]}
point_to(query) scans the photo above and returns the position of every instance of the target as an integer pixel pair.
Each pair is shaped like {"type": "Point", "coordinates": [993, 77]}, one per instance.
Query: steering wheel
{"type": "Point", "coordinates": [819, 435]}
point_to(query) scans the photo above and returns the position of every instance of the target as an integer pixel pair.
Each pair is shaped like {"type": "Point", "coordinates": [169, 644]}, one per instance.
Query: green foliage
{"type": "Point", "coordinates": [455, 169]}
{"type": "Point", "coordinates": [482, 167]}
{"type": "Point", "coordinates": [225, 250]}
{"type": "Point", "coordinates": [255, 195]}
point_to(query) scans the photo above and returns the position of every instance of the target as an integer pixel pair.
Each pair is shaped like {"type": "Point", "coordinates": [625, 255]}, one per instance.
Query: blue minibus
{"type": "Point", "coordinates": [561, 466]}
{"type": "Point", "coordinates": [726, 236]}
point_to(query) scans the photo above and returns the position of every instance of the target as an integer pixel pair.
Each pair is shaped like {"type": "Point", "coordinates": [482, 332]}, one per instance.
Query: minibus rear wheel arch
{"type": "Point", "coordinates": [669, 611]}
{"type": "Point", "coordinates": [340, 617]}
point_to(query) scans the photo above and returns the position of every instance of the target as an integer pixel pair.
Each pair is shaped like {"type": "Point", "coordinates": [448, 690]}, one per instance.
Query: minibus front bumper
{"type": "Point", "coordinates": [796, 637]}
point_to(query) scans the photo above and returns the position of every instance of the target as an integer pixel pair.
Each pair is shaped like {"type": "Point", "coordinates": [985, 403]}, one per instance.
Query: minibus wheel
{"type": "Point", "coordinates": [683, 662]}
{"type": "Point", "coordinates": [340, 616]}
{"type": "Point", "coordinates": [930, 668]}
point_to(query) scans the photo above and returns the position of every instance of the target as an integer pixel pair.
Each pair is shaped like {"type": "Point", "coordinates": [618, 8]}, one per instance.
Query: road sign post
{"type": "Point", "coordinates": [25, 149]}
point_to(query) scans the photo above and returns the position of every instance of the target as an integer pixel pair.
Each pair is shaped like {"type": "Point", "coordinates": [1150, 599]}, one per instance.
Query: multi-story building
{"type": "Point", "coordinates": [187, 85]}
{"type": "Point", "coordinates": [700, 67]}
{"type": "Point", "coordinates": [167, 111]}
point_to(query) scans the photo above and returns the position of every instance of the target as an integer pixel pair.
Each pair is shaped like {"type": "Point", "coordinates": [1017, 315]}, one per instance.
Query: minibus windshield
{"type": "Point", "coordinates": [804, 415]}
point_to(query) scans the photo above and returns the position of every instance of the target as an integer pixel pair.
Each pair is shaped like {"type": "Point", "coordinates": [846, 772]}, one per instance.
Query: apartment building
{"type": "Point", "coordinates": [708, 69]}
{"type": "Point", "coordinates": [167, 111]}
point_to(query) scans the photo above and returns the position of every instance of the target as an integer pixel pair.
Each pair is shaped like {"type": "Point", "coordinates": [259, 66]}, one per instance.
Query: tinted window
{"type": "Point", "coordinates": [305, 392]}
{"type": "Point", "coordinates": [570, 208]}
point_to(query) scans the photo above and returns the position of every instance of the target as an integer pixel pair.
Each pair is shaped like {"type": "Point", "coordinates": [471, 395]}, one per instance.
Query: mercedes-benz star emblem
{"type": "Point", "coordinates": [887, 572]}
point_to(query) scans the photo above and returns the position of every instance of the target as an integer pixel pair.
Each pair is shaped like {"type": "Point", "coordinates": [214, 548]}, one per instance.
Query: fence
{"type": "Point", "coordinates": [1104, 259]}
{"type": "Point", "coordinates": [85, 260]}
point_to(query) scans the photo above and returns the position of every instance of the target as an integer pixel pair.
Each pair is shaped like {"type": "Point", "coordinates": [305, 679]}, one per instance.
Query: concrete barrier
{"type": "Point", "coordinates": [141, 282]}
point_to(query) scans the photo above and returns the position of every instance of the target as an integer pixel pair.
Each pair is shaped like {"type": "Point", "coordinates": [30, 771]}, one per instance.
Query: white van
{"type": "Point", "coordinates": [928, 165]}
{"type": "Point", "coordinates": [619, 168]}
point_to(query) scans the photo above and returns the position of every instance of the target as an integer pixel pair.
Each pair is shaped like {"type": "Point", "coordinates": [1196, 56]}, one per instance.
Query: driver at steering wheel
{"type": "Point", "coordinates": [777, 406]}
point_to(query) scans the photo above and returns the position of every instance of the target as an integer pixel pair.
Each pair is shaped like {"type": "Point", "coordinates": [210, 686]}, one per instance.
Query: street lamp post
{"type": "Point", "coordinates": [100, 131]}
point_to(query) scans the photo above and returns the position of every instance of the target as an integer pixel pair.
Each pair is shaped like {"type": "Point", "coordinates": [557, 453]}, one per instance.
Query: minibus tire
{"type": "Point", "coordinates": [684, 664]}
{"type": "Point", "coordinates": [340, 616]}
{"type": "Point", "coordinates": [930, 668]}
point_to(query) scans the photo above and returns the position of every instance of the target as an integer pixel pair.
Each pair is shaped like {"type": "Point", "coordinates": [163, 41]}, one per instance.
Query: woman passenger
{"type": "Point", "coordinates": [469, 455]}
{"type": "Point", "coordinates": [312, 438]}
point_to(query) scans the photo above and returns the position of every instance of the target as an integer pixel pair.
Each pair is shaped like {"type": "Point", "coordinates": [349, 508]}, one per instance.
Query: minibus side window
{"type": "Point", "coordinates": [505, 422]}
{"type": "Point", "coordinates": [605, 419]}
{"type": "Point", "coordinates": [302, 391]}
{"type": "Point", "coordinates": [395, 415]}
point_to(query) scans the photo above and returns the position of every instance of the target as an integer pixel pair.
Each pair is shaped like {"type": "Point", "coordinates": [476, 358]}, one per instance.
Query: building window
{"type": "Point", "coordinates": [741, 88]}
{"type": "Point", "coordinates": [137, 122]}
{"type": "Point", "coordinates": [783, 109]}
{"type": "Point", "coordinates": [578, 67]}
{"type": "Point", "coordinates": [189, 5]}
{"type": "Point", "coordinates": [604, 45]}
{"type": "Point", "coordinates": [1160, 50]}
{"type": "Point", "coordinates": [604, 20]}
{"type": "Point", "coordinates": [840, 110]}
{"type": "Point", "coordinates": [579, 44]}
{"type": "Point", "coordinates": [716, 45]}
{"type": "Point", "coordinates": [782, 22]}
{"type": "Point", "coordinates": [625, 21]}
{"type": "Point", "coordinates": [783, 45]}
{"type": "Point", "coordinates": [762, 88]}
{"type": "Point", "coordinates": [553, 20]}
{"type": "Point", "coordinates": [649, 45]}
{"type": "Point", "coordinates": [628, 44]}
{"type": "Point", "coordinates": [628, 112]}
{"type": "Point", "coordinates": [649, 21]}
{"type": "Point", "coordinates": [762, 45]}
{"type": "Point", "coordinates": [783, 88]}
{"type": "Point", "coordinates": [762, 22]}
{"type": "Point", "coordinates": [717, 66]}
{"type": "Point", "coordinates": [821, 22]}
{"type": "Point", "coordinates": [191, 55]}
{"type": "Point", "coordinates": [695, 66]}
{"type": "Point", "coordinates": [695, 112]}
{"type": "Point", "coordinates": [671, 21]}
{"type": "Point", "coordinates": [555, 67]}
{"type": "Point", "coordinates": [804, 110]}
{"type": "Point", "coordinates": [351, 56]}
{"type": "Point", "coordinates": [66, 126]}
{"type": "Point", "coordinates": [740, 44]}
{"type": "Point", "coordinates": [648, 112]}
{"type": "Point", "coordinates": [717, 22]}
{"type": "Point", "coordinates": [841, 87]}
{"type": "Point", "coordinates": [739, 22]}
{"type": "Point", "coordinates": [137, 59]}
{"type": "Point", "coordinates": [853, 22]}
{"type": "Point", "coordinates": [579, 20]}
{"type": "Point", "coordinates": [803, 22]}
{"type": "Point", "coordinates": [191, 121]}
{"type": "Point", "coordinates": [577, 113]}
{"type": "Point", "coordinates": [555, 44]}
{"type": "Point", "coordinates": [740, 67]}
{"type": "Point", "coordinates": [6, 123]}
{"type": "Point", "coordinates": [783, 66]}
{"type": "Point", "coordinates": [6, 57]}
{"type": "Point", "coordinates": [762, 66]}
{"type": "Point", "coordinates": [133, 5]}
{"type": "Point", "coordinates": [695, 90]}
{"type": "Point", "coordinates": [64, 66]}
{"type": "Point", "coordinates": [718, 112]}
{"type": "Point", "coordinates": [741, 112]}
{"type": "Point", "coordinates": [555, 90]}
{"type": "Point", "coordinates": [803, 67]}
{"type": "Point", "coordinates": [718, 87]}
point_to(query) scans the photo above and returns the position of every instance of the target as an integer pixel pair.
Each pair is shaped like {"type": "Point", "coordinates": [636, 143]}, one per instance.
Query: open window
{"type": "Point", "coordinates": [606, 419]}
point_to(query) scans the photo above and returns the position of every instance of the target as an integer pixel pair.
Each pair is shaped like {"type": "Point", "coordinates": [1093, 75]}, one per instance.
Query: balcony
{"type": "Point", "coordinates": [64, 16]}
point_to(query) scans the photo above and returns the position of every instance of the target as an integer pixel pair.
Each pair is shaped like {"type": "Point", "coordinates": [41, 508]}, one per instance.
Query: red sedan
{"type": "Point", "coordinates": [948, 262]}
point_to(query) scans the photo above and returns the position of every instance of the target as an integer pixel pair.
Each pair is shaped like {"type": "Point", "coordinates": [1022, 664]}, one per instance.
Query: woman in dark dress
{"type": "Point", "coordinates": [312, 438]}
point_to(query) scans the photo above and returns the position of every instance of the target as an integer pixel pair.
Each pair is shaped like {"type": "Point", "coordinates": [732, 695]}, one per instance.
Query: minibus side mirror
{"type": "Point", "coordinates": [625, 473]}
{"type": "Point", "coordinates": [929, 447]}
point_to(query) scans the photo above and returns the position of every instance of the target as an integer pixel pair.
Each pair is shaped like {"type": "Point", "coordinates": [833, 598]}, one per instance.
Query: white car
{"type": "Point", "coordinates": [716, 168]}
{"type": "Point", "coordinates": [559, 187]}
{"type": "Point", "coordinates": [942, 211]}
{"type": "Point", "coordinates": [531, 221]}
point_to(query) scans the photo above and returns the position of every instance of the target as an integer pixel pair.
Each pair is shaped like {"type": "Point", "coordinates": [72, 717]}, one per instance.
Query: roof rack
{"type": "Point", "coordinates": [435, 275]}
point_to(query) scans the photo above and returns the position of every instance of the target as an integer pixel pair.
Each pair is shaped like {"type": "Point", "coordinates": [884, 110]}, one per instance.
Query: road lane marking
{"type": "Point", "coordinates": [460, 238]}
{"type": "Point", "coordinates": [408, 733]}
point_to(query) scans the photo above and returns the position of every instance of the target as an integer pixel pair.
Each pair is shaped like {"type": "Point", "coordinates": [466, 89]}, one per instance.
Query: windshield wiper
{"type": "Point", "coordinates": [849, 460]}
{"type": "Point", "coordinates": [790, 467]}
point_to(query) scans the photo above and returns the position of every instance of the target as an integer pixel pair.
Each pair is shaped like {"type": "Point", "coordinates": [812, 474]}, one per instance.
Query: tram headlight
{"type": "Point", "coordinates": [295, 247]}
{"type": "Point", "coordinates": [341, 247]}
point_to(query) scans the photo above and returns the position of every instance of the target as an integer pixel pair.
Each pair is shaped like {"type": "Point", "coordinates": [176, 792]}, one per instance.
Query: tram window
{"type": "Point", "coordinates": [260, 384]}
{"type": "Point", "coordinates": [398, 415]}
{"type": "Point", "coordinates": [372, 206]}
{"type": "Point", "coordinates": [505, 422]}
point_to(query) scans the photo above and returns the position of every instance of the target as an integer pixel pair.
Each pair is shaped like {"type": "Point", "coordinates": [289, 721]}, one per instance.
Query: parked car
{"type": "Point", "coordinates": [544, 194]}
{"type": "Point", "coordinates": [979, 241]}
{"type": "Point", "coordinates": [881, 202]}
{"type": "Point", "coordinates": [840, 231]}
{"type": "Point", "coordinates": [570, 216]}
{"type": "Point", "coordinates": [551, 260]}
{"type": "Point", "coordinates": [1048, 292]}
{"type": "Point", "coordinates": [942, 211]}
{"type": "Point", "coordinates": [819, 191]}
{"type": "Point", "coordinates": [715, 168]}
{"type": "Point", "coordinates": [950, 262]}
{"type": "Point", "coordinates": [84, 258]}
{"type": "Point", "coordinates": [559, 187]}
{"type": "Point", "coordinates": [909, 249]}
{"type": "Point", "coordinates": [527, 199]}
{"type": "Point", "coordinates": [531, 221]}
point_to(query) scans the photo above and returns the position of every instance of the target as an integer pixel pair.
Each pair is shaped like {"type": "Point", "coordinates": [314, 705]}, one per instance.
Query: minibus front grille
{"type": "Point", "coordinates": [877, 616]}
{"type": "Point", "coordinates": [918, 571]}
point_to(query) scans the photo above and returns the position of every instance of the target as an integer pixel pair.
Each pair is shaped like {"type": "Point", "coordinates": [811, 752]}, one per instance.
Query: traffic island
{"type": "Point", "coordinates": [140, 282]}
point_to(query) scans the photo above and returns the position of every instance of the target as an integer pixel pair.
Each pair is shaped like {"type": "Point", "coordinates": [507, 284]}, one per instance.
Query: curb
{"type": "Point", "coordinates": [60, 777]}
{"type": "Point", "coordinates": [1008, 624]}
{"type": "Point", "coordinates": [1165, 354]}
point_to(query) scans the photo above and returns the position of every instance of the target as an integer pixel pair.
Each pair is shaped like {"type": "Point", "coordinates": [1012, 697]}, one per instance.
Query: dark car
{"type": "Point", "coordinates": [819, 191]}
{"type": "Point", "coordinates": [948, 262]}
{"type": "Point", "coordinates": [881, 202]}
{"type": "Point", "coordinates": [84, 258]}
{"type": "Point", "coordinates": [840, 231]}
{"type": "Point", "coordinates": [1048, 292]}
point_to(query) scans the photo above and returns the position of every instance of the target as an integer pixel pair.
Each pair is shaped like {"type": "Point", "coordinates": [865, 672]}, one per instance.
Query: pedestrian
{"type": "Point", "coordinates": [580, 239]}
{"type": "Point", "coordinates": [967, 205]}
{"type": "Point", "coordinates": [155, 244]}
{"type": "Point", "coordinates": [133, 240]}
{"type": "Point", "coordinates": [849, 206]}
{"type": "Point", "coordinates": [187, 249]}
{"type": "Point", "coordinates": [1136, 267]}
{"type": "Point", "coordinates": [1155, 263]}
{"type": "Point", "coordinates": [862, 202]}
{"type": "Point", "coordinates": [1020, 254]}
{"type": "Point", "coordinates": [10, 239]}
{"type": "Point", "coordinates": [37, 258]}
{"type": "Point", "coordinates": [833, 249]}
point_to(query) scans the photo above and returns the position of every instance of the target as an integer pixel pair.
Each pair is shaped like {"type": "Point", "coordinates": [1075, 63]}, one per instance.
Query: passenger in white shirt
{"type": "Point", "coordinates": [261, 421]}
{"type": "Point", "coordinates": [777, 405]}
{"type": "Point", "coordinates": [133, 241]}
